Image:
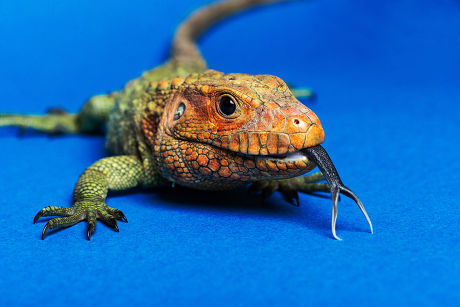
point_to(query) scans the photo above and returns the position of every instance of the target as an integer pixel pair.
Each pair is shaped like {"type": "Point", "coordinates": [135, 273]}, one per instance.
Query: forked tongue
{"type": "Point", "coordinates": [320, 157]}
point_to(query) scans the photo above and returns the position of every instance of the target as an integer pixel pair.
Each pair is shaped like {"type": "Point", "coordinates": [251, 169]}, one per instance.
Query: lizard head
{"type": "Point", "coordinates": [228, 129]}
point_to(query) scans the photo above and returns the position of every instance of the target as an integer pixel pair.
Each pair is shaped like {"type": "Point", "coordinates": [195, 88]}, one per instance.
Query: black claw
{"type": "Point", "coordinates": [37, 216]}
{"type": "Point", "coordinates": [297, 199]}
{"type": "Point", "coordinates": [291, 196]}
{"type": "Point", "coordinates": [120, 216]}
{"type": "Point", "coordinates": [91, 228]}
{"type": "Point", "coordinates": [45, 230]}
{"type": "Point", "coordinates": [113, 224]}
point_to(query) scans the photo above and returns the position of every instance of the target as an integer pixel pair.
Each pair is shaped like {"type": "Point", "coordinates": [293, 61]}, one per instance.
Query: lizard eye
{"type": "Point", "coordinates": [180, 111]}
{"type": "Point", "coordinates": [227, 105]}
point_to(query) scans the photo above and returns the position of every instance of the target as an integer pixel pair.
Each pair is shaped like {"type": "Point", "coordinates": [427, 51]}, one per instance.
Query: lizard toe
{"type": "Point", "coordinates": [89, 211]}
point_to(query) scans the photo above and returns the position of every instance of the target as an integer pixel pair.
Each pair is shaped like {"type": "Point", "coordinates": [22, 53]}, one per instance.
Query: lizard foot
{"type": "Point", "coordinates": [89, 210]}
{"type": "Point", "coordinates": [289, 188]}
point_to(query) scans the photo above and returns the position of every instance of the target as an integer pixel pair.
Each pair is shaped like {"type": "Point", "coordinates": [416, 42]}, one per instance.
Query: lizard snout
{"type": "Point", "coordinates": [290, 130]}
{"type": "Point", "coordinates": [304, 130]}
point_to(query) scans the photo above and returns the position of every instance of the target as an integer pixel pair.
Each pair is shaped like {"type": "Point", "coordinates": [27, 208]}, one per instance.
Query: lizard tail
{"type": "Point", "coordinates": [49, 123]}
{"type": "Point", "coordinates": [90, 120]}
{"type": "Point", "coordinates": [184, 48]}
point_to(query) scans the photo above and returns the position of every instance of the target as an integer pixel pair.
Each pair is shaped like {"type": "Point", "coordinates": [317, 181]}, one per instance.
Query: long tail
{"type": "Point", "coordinates": [90, 119]}
{"type": "Point", "coordinates": [50, 123]}
{"type": "Point", "coordinates": [184, 48]}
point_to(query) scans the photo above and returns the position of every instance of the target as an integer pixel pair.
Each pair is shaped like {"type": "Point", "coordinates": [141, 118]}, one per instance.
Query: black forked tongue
{"type": "Point", "coordinates": [320, 157]}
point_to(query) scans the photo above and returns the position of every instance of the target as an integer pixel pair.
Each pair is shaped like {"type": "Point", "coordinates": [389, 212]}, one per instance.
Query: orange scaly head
{"type": "Point", "coordinates": [225, 130]}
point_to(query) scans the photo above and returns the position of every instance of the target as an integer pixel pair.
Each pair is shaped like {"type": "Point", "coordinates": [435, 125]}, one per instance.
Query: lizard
{"type": "Point", "coordinates": [182, 123]}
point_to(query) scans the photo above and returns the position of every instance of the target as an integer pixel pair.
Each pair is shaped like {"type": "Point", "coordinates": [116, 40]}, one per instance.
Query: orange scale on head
{"type": "Point", "coordinates": [297, 140]}
{"type": "Point", "coordinates": [244, 141]}
{"type": "Point", "coordinates": [279, 123]}
{"type": "Point", "coordinates": [271, 105]}
{"type": "Point", "coordinates": [283, 143]}
{"type": "Point", "coordinates": [300, 164]}
{"type": "Point", "coordinates": [202, 160]}
{"type": "Point", "coordinates": [177, 81]}
{"type": "Point", "coordinates": [195, 165]}
{"type": "Point", "coordinates": [163, 84]}
{"type": "Point", "coordinates": [254, 144]}
{"type": "Point", "coordinates": [263, 136]}
{"type": "Point", "coordinates": [272, 143]}
{"type": "Point", "coordinates": [314, 119]}
{"type": "Point", "coordinates": [214, 164]}
{"type": "Point", "coordinates": [272, 83]}
{"type": "Point", "coordinates": [225, 141]}
{"type": "Point", "coordinates": [272, 166]}
{"type": "Point", "coordinates": [234, 142]}
{"type": "Point", "coordinates": [225, 171]}
{"type": "Point", "coordinates": [234, 167]}
{"type": "Point", "coordinates": [260, 164]}
{"type": "Point", "coordinates": [249, 164]}
{"type": "Point", "coordinates": [235, 176]}
{"type": "Point", "coordinates": [315, 136]}
{"type": "Point", "coordinates": [205, 171]}
{"type": "Point", "coordinates": [281, 165]}
{"type": "Point", "coordinates": [205, 89]}
{"type": "Point", "coordinates": [288, 111]}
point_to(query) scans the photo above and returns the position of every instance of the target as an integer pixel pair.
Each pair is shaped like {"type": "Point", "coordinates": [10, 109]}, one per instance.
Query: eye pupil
{"type": "Point", "coordinates": [226, 105]}
{"type": "Point", "coordinates": [180, 111]}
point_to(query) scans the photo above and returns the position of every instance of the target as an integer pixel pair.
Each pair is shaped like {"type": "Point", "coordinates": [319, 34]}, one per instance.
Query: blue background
{"type": "Point", "coordinates": [387, 77]}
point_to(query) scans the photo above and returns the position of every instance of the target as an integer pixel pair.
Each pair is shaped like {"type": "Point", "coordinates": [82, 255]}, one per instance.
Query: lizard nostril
{"type": "Point", "coordinates": [296, 121]}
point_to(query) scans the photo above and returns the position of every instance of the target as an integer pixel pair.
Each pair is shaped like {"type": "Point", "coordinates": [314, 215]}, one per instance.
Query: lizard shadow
{"type": "Point", "coordinates": [242, 202]}
{"type": "Point", "coordinates": [237, 202]}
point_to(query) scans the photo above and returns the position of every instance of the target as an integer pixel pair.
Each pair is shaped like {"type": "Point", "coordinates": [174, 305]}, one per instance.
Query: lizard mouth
{"type": "Point", "coordinates": [280, 166]}
{"type": "Point", "coordinates": [289, 157]}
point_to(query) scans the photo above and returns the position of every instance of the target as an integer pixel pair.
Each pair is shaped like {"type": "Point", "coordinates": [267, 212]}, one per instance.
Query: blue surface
{"type": "Point", "coordinates": [387, 76]}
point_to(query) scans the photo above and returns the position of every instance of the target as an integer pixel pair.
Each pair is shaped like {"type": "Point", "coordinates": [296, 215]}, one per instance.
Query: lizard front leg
{"type": "Point", "coordinates": [113, 173]}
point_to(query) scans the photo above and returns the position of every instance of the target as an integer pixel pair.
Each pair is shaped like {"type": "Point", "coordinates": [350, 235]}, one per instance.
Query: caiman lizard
{"type": "Point", "coordinates": [181, 123]}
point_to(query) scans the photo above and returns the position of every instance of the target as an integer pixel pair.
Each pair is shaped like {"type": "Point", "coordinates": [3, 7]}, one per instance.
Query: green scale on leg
{"type": "Point", "coordinates": [113, 173]}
